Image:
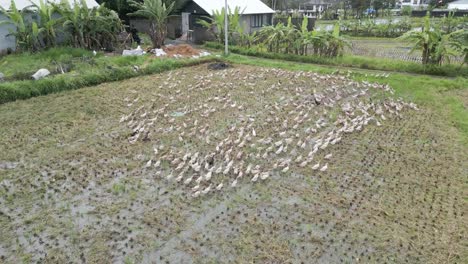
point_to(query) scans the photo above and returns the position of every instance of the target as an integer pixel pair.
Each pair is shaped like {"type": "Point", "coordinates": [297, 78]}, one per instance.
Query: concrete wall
{"type": "Point", "coordinates": [6, 42]}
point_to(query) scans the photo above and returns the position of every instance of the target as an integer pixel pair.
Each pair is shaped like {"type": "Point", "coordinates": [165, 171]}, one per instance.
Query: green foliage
{"type": "Point", "coordinates": [157, 12]}
{"type": "Point", "coordinates": [369, 28]}
{"type": "Point", "coordinates": [406, 11]}
{"type": "Point", "coordinates": [290, 40]}
{"type": "Point", "coordinates": [123, 7]}
{"type": "Point", "coordinates": [22, 32]}
{"type": "Point", "coordinates": [215, 24]}
{"type": "Point", "coordinates": [94, 28]}
{"type": "Point", "coordinates": [47, 23]}
{"type": "Point", "coordinates": [435, 44]}
{"type": "Point", "coordinates": [460, 43]}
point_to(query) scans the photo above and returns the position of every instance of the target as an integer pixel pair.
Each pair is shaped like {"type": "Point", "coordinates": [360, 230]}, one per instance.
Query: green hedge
{"type": "Point", "coordinates": [19, 90]}
{"type": "Point", "coordinates": [450, 70]}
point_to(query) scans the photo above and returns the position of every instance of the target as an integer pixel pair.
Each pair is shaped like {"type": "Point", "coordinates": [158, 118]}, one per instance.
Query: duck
{"type": "Point", "coordinates": [324, 168]}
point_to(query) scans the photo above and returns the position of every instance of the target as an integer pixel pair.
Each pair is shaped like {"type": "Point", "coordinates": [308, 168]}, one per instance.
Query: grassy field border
{"type": "Point", "coordinates": [20, 90]}
{"type": "Point", "coordinates": [367, 63]}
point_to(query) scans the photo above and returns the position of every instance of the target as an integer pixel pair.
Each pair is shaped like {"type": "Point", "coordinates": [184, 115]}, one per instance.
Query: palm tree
{"type": "Point", "coordinates": [157, 11]}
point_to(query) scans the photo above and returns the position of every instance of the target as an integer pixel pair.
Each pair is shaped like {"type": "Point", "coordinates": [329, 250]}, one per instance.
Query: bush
{"type": "Point", "coordinates": [368, 28]}
{"type": "Point", "coordinates": [406, 11]}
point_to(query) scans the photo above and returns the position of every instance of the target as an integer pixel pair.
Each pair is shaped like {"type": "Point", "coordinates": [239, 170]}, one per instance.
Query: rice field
{"type": "Point", "coordinates": [387, 48]}
{"type": "Point", "coordinates": [240, 165]}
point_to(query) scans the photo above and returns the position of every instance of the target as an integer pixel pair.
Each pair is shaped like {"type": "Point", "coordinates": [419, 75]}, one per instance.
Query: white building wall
{"type": "Point", "coordinates": [459, 6]}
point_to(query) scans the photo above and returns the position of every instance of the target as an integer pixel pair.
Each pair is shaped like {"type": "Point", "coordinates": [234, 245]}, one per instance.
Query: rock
{"type": "Point", "coordinates": [2, 76]}
{"type": "Point", "coordinates": [42, 73]}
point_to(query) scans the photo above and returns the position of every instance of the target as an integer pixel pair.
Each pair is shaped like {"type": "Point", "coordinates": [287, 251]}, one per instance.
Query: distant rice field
{"type": "Point", "coordinates": [388, 48]}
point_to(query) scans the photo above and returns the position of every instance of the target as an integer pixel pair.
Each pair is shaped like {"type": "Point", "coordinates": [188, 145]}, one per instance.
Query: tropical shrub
{"type": "Point", "coordinates": [95, 28]}
{"type": "Point", "coordinates": [157, 12]}
{"type": "Point", "coordinates": [369, 28]}
{"type": "Point", "coordinates": [406, 11]}
{"type": "Point", "coordinates": [84, 27]}
{"type": "Point", "coordinates": [26, 34]}
{"type": "Point", "coordinates": [436, 46]}
{"type": "Point", "coordinates": [290, 40]}
{"type": "Point", "coordinates": [215, 24]}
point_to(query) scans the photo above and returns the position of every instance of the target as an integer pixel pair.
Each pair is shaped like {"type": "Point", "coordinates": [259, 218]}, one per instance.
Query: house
{"type": "Point", "coordinates": [314, 8]}
{"type": "Point", "coordinates": [255, 15]}
{"type": "Point", "coordinates": [8, 42]}
{"type": "Point", "coordinates": [414, 4]}
{"type": "Point", "coordinates": [459, 5]}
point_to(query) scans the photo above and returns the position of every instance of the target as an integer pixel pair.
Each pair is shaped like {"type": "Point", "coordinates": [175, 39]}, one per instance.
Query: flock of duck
{"type": "Point", "coordinates": [214, 134]}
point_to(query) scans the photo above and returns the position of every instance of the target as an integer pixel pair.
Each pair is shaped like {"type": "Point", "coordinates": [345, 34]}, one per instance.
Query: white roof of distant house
{"type": "Point", "coordinates": [247, 7]}
{"type": "Point", "coordinates": [20, 4]}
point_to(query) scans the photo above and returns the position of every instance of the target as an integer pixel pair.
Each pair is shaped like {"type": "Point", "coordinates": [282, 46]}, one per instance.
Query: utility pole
{"type": "Point", "coordinates": [226, 28]}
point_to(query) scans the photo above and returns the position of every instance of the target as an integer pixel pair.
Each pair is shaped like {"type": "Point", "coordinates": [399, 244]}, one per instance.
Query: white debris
{"type": "Point", "coordinates": [204, 54]}
{"type": "Point", "coordinates": [42, 73]}
{"type": "Point", "coordinates": [135, 52]}
{"type": "Point", "coordinates": [158, 52]}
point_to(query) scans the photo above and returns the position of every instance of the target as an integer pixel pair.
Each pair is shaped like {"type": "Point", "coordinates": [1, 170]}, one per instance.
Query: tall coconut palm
{"type": "Point", "coordinates": [157, 12]}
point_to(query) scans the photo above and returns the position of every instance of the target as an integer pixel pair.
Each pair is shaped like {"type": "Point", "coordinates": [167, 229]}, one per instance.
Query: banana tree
{"type": "Point", "coordinates": [215, 23]}
{"type": "Point", "coordinates": [15, 18]}
{"type": "Point", "coordinates": [157, 11]}
{"type": "Point", "coordinates": [460, 43]}
{"type": "Point", "coordinates": [73, 21]}
{"type": "Point", "coordinates": [430, 41]}
{"type": "Point", "coordinates": [273, 37]}
{"type": "Point", "coordinates": [47, 23]}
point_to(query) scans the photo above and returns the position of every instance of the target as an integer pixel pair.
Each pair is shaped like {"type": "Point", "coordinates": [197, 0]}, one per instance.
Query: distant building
{"type": "Point", "coordinates": [459, 5]}
{"type": "Point", "coordinates": [255, 15]}
{"type": "Point", "coordinates": [315, 8]}
{"type": "Point", "coordinates": [414, 3]}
